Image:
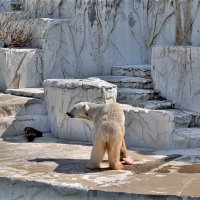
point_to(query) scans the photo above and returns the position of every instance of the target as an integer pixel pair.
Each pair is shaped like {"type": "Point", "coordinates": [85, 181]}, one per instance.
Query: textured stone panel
{"type": "Point", "coordinates": [149, 128]}
{"type": "Point", "coordinates": [20, 68]}
{"type": "Point", "coordinates": [176, 74]}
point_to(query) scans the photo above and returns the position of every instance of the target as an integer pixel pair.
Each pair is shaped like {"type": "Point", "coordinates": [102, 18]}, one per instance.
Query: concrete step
{"type": "Point", "coordinates": [131, 94]}
{"type": "Point", "coordinates": [185, 138]}
{"type": "Point", "coordinates": [132, 70]}
{"type": "Point", "coordinates": [150, 104]}
{"type": "Point", "coordinates": [184, 118]}
{"type": "Point", "coordinates": [51, 168]}
{"type": "Point", "coordinates": [11, 105]}
{"type": "Point", "coordinates": [129, 82]}
{"type": "Point", "coordinates": [14, 125]}
{"type": "Point", "coordinates": [27, 92]}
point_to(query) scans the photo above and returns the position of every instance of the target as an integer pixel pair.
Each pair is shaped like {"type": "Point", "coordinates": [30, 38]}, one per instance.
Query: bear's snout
{"type": "Point", "coordinates": [70, 114]}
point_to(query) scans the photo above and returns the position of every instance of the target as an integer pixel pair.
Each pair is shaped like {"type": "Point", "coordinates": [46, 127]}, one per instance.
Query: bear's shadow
{"type": "Point", "coordinates": [70, 166]}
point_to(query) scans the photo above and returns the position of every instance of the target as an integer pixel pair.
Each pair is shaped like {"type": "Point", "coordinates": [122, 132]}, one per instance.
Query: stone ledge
{"type": "Point", "coordinates": [79, 83]}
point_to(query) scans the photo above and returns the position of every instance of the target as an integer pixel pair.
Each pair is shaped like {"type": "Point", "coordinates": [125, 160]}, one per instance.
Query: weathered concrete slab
{"type": "Point", "coordinates": [51, 168]}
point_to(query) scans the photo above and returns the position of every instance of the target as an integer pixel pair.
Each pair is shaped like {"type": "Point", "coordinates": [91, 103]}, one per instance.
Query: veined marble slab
{"type": "Point", "coordinates": [176, 74]}
{"type": "Point", "coordinates": [20, 68]}
{"type": "Point", "coordinates": [149, 128]}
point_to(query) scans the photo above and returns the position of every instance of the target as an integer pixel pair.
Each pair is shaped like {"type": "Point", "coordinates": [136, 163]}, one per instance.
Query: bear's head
{"type": "Point", "coordinates": [79, 110]}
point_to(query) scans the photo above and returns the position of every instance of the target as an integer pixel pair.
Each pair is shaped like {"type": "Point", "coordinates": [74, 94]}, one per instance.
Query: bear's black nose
{"type": "Point", "coordinates": [70, 115]}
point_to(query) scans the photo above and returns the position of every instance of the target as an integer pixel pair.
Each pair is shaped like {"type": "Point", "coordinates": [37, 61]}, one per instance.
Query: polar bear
{"type": "Point", "coordinates": [109, 121]}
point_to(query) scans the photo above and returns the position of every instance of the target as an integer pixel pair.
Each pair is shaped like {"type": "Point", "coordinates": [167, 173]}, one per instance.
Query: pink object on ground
{"type": "Point", "coordinates": [128, 161]}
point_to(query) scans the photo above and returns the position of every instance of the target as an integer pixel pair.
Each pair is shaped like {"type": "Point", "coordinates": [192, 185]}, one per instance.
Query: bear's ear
{"type": "Point", "coordinates": [86, 107]}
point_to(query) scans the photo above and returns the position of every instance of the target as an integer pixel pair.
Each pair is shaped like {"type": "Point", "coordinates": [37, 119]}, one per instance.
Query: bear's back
{"type": "Point", "coordinates": [112, 112]}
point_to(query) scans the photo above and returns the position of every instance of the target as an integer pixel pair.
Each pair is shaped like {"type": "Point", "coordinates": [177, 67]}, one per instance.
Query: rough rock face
{"type": "Point", "coordinates": [176, 74]}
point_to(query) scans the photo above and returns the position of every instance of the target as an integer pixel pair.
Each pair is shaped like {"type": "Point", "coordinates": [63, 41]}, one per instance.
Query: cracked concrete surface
{"type": "Point", "coordinates": [53, 168]}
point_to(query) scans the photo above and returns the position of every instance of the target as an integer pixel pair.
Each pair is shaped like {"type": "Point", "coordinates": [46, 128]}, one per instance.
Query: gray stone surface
{"type": "Point", "coordinates": [5, 5]}
{"type": "Point", "coordinates": [152, 104]}
{"type": "Point", "coordinates": [184, 118]}
{"type": "Point", "coordinates": [176, 75]}
{"type": "Point", "coordinates": [52, 169]}
{"type": "Point", "coordinates": [27, 92]}
{"type": "Point", "coordinates": [186, 138]}
{"type": "Point", "coordinates": [131, 94]}
{"type": "Point", "coordinates": [17, 112]}
{"type": "Point", "coordinates": [61, 95]}
{"type": "Point", "coordinates": [11, 105]}
{"type": "Point", "coordinates": [14, 125]}
{"type": "Point", "coordinates": [149, 128]}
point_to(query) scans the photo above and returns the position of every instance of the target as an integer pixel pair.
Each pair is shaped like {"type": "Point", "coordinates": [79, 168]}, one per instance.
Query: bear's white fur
{"type": "Point", "coordinates": [109, 121]}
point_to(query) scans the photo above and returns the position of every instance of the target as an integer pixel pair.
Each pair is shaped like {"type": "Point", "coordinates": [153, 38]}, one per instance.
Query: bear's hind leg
{"type": "Point", "coordinates": [113, 147]}
{"type": "Point", "coordinates": [98, 151]}
{"type": "Point", "coordinates": [123, 151]}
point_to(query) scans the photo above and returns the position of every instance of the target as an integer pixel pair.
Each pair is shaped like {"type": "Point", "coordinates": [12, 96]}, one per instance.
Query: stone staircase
{"type": "Point", "coordinates": [135, 87]}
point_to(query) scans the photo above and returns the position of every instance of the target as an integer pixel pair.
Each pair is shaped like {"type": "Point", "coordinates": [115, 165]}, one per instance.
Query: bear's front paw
{"type": "Point", "coordinates": [92, 166]}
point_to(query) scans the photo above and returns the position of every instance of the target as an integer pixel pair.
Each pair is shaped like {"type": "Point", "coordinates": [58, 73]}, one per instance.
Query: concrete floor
{"type": "Point", "coordinates": [60, 164]}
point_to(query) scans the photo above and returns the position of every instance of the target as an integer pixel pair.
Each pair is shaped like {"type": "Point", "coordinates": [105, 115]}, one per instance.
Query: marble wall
{"type": "Point", "coordinates": [176, 73]}
{"type": "Point", "coordinates": [119, 32]}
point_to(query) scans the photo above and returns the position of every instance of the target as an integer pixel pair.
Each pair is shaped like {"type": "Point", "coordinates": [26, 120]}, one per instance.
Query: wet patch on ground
{"type": "Point", "coordinates": [187, 169]}
{"type": "Point", "coordinates": [151, 165]}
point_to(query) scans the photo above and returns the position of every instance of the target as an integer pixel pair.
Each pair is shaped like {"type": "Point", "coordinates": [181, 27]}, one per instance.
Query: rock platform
{"type": "Point", "coordinates": [51, 168]}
